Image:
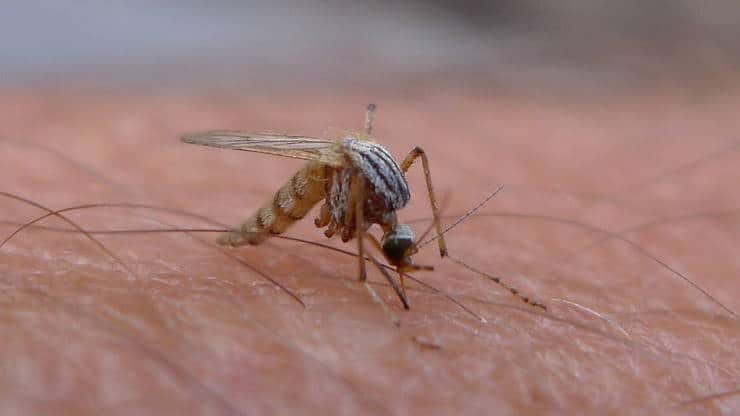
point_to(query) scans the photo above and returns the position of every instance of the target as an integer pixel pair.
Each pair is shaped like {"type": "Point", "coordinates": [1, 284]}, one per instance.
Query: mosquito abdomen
{"type": "Point", "coordinates": [291, 203]}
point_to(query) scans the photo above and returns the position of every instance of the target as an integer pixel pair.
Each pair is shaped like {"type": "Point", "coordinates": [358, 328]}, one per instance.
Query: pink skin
{"type": "Point", "coordinates": [185, 328]}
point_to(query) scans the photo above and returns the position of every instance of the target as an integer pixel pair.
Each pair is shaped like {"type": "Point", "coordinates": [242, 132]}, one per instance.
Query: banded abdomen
{"type": "Point", "coordinates": [290, 204]}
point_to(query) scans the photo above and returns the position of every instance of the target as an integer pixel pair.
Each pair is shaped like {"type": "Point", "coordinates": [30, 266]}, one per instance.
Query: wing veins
{"type": "Point", "coordinates": [299, 147]}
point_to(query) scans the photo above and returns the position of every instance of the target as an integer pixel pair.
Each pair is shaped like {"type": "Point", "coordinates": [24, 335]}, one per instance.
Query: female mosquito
{"type": "Point", "coordinates": [358, 180]}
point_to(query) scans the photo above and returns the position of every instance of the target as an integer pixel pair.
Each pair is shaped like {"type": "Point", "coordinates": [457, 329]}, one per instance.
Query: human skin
{"type": "Point", "coordinates": [609, 203]}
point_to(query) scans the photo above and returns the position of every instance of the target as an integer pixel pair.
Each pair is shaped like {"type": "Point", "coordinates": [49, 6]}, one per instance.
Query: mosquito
{"type": "Point", "coordinates": [360, 183]}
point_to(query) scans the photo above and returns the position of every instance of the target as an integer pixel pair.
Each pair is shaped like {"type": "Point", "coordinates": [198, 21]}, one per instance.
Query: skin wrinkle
{"type": "Point", "coordinates": [609, 199]}
{"type": "Point", "coordinates": [564, 321]}
{"type": "Point", "coordinates": [489, 303]}
{"type": "Point", "coordinates": [81, 166]}
{"type": "Point", "coordinates": [514, 187]}
{"type": "Point", "coordinates": [205, 243]}
{"type": "Point", "coordinates": [613, 199]}
{"type": "Point", "coordinates": [160, 321]}
{"type": "Point", "coordinates": [501, 320]}
{"type": "Point", "coordinates": [427, 288]}
{"type": "Point", "coordinates": [601, 316]}
{"type": "Point", "coordinates": [641, 185]}
{"type": "Point", "coordinates": [608, 234]}
{"type": "Point", "coordinates": [151, 352]}
{"type": "Point", "coordinates": [284, 340]}
{"type": "Point", "coordinates": [627, 342]}
{"type": "Point", "coordinates": [651, 224]}
{"type": "Point", "coordinates": [180, 212]}
{"type": "Point", "coordinates": [700, 161]}
{"type": "Point", "coordinates": [375, 402]}
{"type": "Point", "coordinates": [57, 213]}
{"type": "Point", "coordinates": [110, 205]}
{"type": "Point", "coordinates": [709, 397]}
{"type": "Point", "coordinates": [32, 224]}
{"type": "Point", "coordinates": [621, 238]}
{"type": "Point", "coordinates": [519, 189]}
{"type": "Point", "coordinates": [335, 373]}
{"type": "Point", "coordinates": [73, 224]}
{"type": "Point", "coordinates": [539, 190]}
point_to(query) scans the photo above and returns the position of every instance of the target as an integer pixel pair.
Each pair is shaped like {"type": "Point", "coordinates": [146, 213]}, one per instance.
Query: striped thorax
{"type": "Point", "coordinates": [381, 170]}
{"type": "Point", "coordinates": [385, 190]}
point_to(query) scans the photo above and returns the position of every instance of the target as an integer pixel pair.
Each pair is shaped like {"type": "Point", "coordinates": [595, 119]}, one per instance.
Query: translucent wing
{"type": "Point", "coordinates": [299, 147]}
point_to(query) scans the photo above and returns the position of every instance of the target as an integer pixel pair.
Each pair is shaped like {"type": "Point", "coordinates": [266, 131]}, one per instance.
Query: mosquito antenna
{"type": "Point", "coordinates": [442, 208]}
{"type": "Point", "coordinates": [464, 217]}
{"type": "Point", "coordinates": [424, 234]}
{"type": "Point", "coordinates": [501, 283]}
{"type": "Point", "coordinates": [369, 117]}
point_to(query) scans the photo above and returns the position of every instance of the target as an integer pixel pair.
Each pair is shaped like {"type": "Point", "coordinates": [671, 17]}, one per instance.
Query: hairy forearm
{"type": "Point", "coordinates": [614, 221]}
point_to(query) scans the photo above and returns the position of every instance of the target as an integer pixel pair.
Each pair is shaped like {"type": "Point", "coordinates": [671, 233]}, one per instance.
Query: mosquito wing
{"type": "Point", "coordinates": [299, 147]}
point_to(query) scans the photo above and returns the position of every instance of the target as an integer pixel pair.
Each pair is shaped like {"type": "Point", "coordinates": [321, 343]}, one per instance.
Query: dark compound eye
{"type": "Point", "coordinates": [397, 243]}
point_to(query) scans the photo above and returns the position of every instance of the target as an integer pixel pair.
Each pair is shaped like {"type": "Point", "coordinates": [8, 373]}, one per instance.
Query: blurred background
{"type": "Point", "coordinates": [241, 44]}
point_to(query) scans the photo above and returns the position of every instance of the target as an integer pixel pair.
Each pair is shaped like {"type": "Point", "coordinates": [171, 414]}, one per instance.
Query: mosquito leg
{"type": "Point", "coordinates": [361, 235]}
{"type": "Point", "coordinates": [375, 242]}
{"type": "Point", "coordinates": [399, 289]}
{"type": "Point", "coordinates": [358, 183]}
{"type": "Point", "coordinates": [415, 153]}
{"type": "Point", "coordinates": [399, 292]}
{"type": "Point", "coordinates": [369, 117]}
{"type": "Point", "coordinates": [358, 194]}
{"type": "Point", "coordinates": [324, 217]}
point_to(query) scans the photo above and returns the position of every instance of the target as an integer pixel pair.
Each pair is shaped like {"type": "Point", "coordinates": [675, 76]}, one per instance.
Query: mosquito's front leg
{"type": "Point", "coordinates": [400, 290]}
{"type": "Point", "coordinates": [324, 217]}
{"type": "Point", "coordinates": [415, 153]}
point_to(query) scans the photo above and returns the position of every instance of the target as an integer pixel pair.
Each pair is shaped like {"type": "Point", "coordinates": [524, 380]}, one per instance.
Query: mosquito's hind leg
{"type": "Point", "coordinates": [415, 153]}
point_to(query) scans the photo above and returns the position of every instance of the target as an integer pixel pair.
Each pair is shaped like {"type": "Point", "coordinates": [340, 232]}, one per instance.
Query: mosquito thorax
{"type": "Point", "coordinates": [397, 243]}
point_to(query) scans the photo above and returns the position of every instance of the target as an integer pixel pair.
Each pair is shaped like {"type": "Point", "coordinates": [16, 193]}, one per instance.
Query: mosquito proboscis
{"type": "Point", "coordinates": [360, 183]}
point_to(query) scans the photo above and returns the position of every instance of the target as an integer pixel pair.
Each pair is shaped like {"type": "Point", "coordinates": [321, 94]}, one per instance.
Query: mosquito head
{"type": "Point", "coordinates": [399, 244]}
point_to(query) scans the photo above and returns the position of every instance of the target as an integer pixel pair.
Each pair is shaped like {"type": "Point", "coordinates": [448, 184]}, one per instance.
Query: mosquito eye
{"type": "Point", "coordinates": [395, 247]}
